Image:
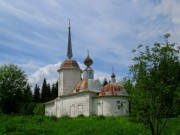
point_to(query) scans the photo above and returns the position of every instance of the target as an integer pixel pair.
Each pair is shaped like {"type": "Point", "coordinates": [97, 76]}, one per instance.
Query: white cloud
{"type": "Point", "coordinates": [50, 73]}
{"type": "Point", "coordinates": [34, 33]}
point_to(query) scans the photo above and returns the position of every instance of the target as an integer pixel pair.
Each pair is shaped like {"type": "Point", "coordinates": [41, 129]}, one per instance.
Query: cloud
{"type": "Point", "coordinates": [50, 73]}
{"type": "Point", "coordinates": [34, 33]}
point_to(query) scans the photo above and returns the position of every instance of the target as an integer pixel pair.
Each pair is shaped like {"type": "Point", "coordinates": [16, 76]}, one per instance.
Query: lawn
{"type": "Point", "coordinates": [94, 125]}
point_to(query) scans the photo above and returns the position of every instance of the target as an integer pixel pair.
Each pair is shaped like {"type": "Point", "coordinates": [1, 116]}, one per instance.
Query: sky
{"type": "Point", "coordinates": [34, 33]}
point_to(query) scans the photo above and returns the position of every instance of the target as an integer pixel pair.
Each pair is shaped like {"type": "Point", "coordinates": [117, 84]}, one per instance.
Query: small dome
{"type": "Point", "coordinates": [112, 90]}
{"type": "Point", "coordinates": [113, 75]}
{"type": "Point", "coordinates": [88, 61]}
{"type": "Point", "coordinates": [88, 84]}
{"type": "Point", "coordinates": [69, 63]}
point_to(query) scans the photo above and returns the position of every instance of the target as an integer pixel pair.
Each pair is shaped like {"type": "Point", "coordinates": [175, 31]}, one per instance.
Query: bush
{"type": "Point", "coordinates": [100, 117]}
{"type": "Point", "coordinates": [65, 117]}
{"type": "Point", "coordinates": [54, 118]}
{"type": "Point", "coordinates": [28, 109]}
{"type": "Point", "coordinates": [39, 109]}
{"type": "Point", "coordinates": [39, 119]}
{"type": "Point", "coordinates": [81, 116]}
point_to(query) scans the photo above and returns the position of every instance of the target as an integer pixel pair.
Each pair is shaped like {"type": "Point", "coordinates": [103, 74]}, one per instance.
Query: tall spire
{"type": "Point", "coordinates": [69, 49]}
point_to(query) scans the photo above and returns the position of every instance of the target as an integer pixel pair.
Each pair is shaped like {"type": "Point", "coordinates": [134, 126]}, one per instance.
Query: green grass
{"type": "Point", "coordinates": [94, 125]}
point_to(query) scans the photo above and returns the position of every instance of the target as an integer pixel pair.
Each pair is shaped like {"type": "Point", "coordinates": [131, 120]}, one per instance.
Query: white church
{"type": "Point", "coordinates": [80, 94]}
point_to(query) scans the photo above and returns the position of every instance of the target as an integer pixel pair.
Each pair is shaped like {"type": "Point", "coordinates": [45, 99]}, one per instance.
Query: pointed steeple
{"type": "Point", "coordinates": [69, 49]}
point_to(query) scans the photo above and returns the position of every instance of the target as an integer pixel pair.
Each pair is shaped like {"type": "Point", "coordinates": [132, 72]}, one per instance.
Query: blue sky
{"type": "Point", "coordinates": [33, 34]}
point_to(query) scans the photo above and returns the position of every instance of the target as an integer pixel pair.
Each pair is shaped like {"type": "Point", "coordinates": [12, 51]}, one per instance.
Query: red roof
{"type": "Point", "coordinates": [110, 90]}
{"type": "Point", "coordinates": [69, 63]}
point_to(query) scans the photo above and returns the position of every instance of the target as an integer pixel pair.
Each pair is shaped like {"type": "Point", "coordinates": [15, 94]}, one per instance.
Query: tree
{"type": "Point", "coordinates": [156, 77]}
{"type": "Point", "coordinates": [28, 98]}
{"type": "Point", "coordinates": [13, 82]}
{"type": "Point", "coordinates": [54, 91]}
{"type": "Point", "coordinates": [44, 93]}
{"type": "Point", "coordinates": [105, 82]}
{"type": "Point", "coordinates": [48, 92]}
{"type": "Point", "coordinates": [37, 95]}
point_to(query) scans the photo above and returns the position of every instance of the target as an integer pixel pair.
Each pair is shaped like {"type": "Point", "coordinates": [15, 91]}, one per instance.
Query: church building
{"type": "Point", "coordinates": [80, 94]}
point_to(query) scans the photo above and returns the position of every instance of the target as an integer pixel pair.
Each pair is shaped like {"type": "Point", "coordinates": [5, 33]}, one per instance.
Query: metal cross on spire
{"type": "Point", "coordinates": [88, 52]}
{"type": "Point", "coordinates": [69, 49]}
{"type": "Point", "coordinates": [112, 70]}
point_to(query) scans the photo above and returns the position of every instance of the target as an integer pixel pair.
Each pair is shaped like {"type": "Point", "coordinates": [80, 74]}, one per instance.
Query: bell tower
{"type": "Point", "coordinates": [69, 72]}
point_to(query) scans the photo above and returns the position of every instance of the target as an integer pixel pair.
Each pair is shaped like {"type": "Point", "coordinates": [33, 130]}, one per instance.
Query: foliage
{"type": "Point", "coordinates": [48, 92]}
{"type": "Point", "coordinates": [54, 91]}
{"type": "Point", "coordinates": [44, 92]}
{"type": "Point", "coordinates": [27, 95]}
{"type": "Point", "coordinates": [13, 88]}
{"type": "Point", "coordinates": [105, 82]}
{"type": "Point", "coordinates": [37, 96]}
{"type": "Point", "coordinates": [41, 125]}
{"type": "Point", "coordinates": [81, 116]}
{"type": "Point", "coordinates": [156, 76]}
{"type": "Point", "coordinates": [39, 109]}
{"type": "Point", "coordinates": [28, 109]}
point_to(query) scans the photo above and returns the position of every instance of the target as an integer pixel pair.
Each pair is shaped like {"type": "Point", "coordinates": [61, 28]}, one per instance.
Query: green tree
{"type": "Point", "coordinates": [13, 82]}
{"type": "Point", "coordinates": [37, 96]}
{"type": "Point", "coordinates": [156, 77]}
{"type": "Point", "coordinates": [28, 97]}
{"type": "Point", "coordinates": [27, 105]}
{"type": "Point", "coordinates": [48, 92]}
{"type": "Point", "coordinates": [54, 91]}
{"type": "Point", "coordinates": [105, 82]}
{"type": "Point", "coordinates": [44, 92]}
{"type": "Point", "coordinates": [39, 109]}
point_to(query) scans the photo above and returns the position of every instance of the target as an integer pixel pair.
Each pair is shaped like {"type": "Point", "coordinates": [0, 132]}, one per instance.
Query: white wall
{"type": "Point", "coordinates": [74, 105]}
{"type": "Point", "coordinates": [87, 103]}
{"type": "Point", "coordinates": [50, 109]}
{"type": "Point", "coordinates": [111, 106]}
{"type": "Point", "coordinates": [67, 80]}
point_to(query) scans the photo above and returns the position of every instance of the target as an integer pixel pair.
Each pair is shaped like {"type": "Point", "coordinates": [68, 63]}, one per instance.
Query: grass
{"type": "Point", "coordinates": [94, 125]}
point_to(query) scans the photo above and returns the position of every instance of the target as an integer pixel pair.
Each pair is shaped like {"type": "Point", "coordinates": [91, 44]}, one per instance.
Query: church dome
{"type": "Point", "coordinates": [69, 63]}
{"type": "Point", "coordinates": [88, 61]}
{"type": "Point", "coordinates": [112, 90]}
{"type": "Point", "coordinates": [113, 75]}
{"type": "Point", "coordinates": [88, 84]}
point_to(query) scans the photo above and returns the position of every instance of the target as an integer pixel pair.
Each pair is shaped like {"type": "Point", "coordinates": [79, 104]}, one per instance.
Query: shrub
{"type": "Point", "coordinates": [39, 109]}
{"type": "Point", "coordinates": [81, 116]}
{"type": "Point", "coordinates": [54, 118]}
{"type": "Point", "coordinates": [66, 117]}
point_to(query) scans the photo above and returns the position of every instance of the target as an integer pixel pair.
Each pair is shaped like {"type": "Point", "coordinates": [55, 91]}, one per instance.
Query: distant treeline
{"type": "Point", "coordinates": [16, 95]}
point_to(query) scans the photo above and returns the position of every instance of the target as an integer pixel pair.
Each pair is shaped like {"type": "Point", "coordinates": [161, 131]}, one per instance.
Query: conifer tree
{"type": "Point", "coordinates": [27, 94]}
{"type": "Point", "coordinates": [105, 82]}
{"type": "Point", "coordinates": [54, 91]}
{"type": "Point", "coordinates": [48, 92]}
{"type": "Point", "coordinates": [37, 97]}
{"type": "Point", "coordinates": [44, 93]}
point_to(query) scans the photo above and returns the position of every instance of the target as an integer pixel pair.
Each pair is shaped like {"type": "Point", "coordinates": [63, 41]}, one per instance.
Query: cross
{"type": "Point", "coordinates": [113, 70]}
